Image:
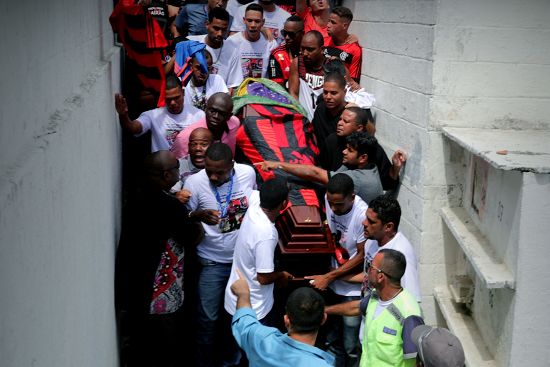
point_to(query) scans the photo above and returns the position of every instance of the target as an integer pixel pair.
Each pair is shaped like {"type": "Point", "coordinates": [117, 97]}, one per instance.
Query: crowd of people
{"type": "Point", "coordinates": [195, 267]}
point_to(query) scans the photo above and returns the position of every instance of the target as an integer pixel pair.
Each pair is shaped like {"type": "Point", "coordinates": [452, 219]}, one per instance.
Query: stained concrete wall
{"type": "Point", "coordinates": [465, 64]}
{"type": "Point", "coordinates": [59, 184]}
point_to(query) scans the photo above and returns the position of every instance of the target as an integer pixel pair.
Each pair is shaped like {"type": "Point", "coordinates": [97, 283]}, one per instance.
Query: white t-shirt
{"type": "Point", "coordinates": [165, 126]}
{"type": "Point", "coordinates": [400, 243]}
{"type": "Point", "coordinates": [214, 84]}
{"type": "Point", "coordinates": [308, 97]}
{"type": "Point", "coordinates": [254, 56]}
{"type": "Point", "coordinates": [219, 239]}
{"type": "Point", "coordinates": [350, 227]}
{"type": "Point", "coordinates": [274, 21]}
{"type": "Point", "coordinates": [233, 7]}
{"type": "Point", "coordinates": [226, 62]}
{"type": "Point", "coordinates": [254, 253]}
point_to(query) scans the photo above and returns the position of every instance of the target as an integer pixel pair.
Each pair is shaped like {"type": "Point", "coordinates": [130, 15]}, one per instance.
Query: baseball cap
{"type": "Point", "coordinates": [437, 347]}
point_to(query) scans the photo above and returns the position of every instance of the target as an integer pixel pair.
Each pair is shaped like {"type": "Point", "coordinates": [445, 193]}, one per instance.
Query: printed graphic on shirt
{"type": "Point", "coordinates": [172, 129]}
{"type": "Point", "coordinates": [235, 215]}
{"type": "Point", "coordinates": [252, 66]}
{"type": "Point", "coordinates": [168, 284]}
{"type": "Point", "coordinates": [342, 55]}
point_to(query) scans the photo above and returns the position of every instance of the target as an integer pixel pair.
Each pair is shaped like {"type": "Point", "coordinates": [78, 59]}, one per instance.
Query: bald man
{"type": "Point", "coordinates": [155, 227]}
{"type": "Point", "coordinates": [219, 120]}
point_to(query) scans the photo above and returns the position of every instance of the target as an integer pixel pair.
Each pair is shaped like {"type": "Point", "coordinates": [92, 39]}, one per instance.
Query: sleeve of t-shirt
{"type": "Point", "coordinates": [360, 234]}
{"type": "Point", "coordinates": [219, 84]}
{"type": "Point", "coordinates": [409, 349]}
{"type": "Point", "coordinates": [264, 256]}
{"type": "Point", "coordinates": [193, 202]}
{"type": "Point", "coordinates": [274, 71]}
{"type": "Point", "coordinates": [181, 143]}
{"type": "Point", "coordinates": [235, 77]}
{"type": "Point", "coordinates": [146, 122]}
{"type": "Point", "coordinates": [355, 67]}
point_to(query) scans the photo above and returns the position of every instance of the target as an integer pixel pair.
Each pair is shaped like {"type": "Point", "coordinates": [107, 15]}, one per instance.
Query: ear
{"type": "Point", "coordinates": [363, 159]}
{"type": "Point", "coordinates": [287, 321]}
{"type": "Point", "coordinates": [389, 227]}
{"type": "Point", "coordinates": [324, 318]}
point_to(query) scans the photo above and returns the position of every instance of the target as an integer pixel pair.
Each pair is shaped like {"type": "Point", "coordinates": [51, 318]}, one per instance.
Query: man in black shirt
{"type": "Point", "coordinates": [329, 107]}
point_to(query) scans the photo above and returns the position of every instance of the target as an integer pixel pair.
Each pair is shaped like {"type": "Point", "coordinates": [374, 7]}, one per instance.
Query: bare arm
{"type": "Point", "coordinates": [280, 278]}
{"type": "Point", "coordinates": [350, 308]}
{"type": "Point", "coordinates": [305, 171]}
{"type": "Point", "coordinates": [321, 282]}
{"type": "Point", "coordinates": [133, 127]}
{"type": "Point", "coordinates": [294, 79]}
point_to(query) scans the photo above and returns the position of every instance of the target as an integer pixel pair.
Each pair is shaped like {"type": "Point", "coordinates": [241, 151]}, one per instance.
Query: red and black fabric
{"type": "Point", "coordinates": [144, 43]}
{"type": "Point", "coordinates": [279, 134]}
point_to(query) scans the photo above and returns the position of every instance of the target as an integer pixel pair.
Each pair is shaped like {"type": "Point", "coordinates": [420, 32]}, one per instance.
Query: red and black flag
{"type": "Point", "coordinates": [277, 133]}
{"type": "Point", "coordinates": [144, 42]}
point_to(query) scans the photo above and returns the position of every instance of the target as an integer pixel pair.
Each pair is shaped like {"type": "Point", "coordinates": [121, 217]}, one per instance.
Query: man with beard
{"type": "Point", "coordinates": [355, 164]}
{"type": "Point", "coordinates": [220, 199]}
{"type": "Point", "coordinates": [226, 61]}
{"type": "Point", "coordinates": [163, 122]}
{"type": "Point", "coordinates": [282, 56]}
{"type": "Point", "coordinates": [390, 313]}
{"type": "Point", "coordinates": [306, 72]}
{"type": "Point", "coordinates": [219, 120]}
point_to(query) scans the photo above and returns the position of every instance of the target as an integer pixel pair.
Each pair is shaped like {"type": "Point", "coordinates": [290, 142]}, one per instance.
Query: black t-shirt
{"type": "Point", "coordinates": [323, 122]}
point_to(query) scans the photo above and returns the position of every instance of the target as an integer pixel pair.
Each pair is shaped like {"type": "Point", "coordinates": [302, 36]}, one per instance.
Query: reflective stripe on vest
{"type": "Point", "coordinates": [383, 336]}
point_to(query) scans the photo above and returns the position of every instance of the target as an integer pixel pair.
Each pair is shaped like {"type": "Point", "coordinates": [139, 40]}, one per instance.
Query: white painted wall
{"type": "Point", "coordinates": [466, 64]}
{"type": "Point", "coordinates": [59, 184]}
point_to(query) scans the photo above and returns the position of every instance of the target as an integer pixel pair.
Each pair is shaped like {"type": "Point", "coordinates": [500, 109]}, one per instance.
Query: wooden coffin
{"type": "Point", "coordinates": [303, 246]}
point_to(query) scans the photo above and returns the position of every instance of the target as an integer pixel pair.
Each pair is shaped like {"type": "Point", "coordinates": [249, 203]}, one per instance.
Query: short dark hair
{"type": "Point", "coordinates": [318, 37]}
{"type": "Point", "coordinates": [219, 152]}
{"type": "Point", "coordinates": [387, 209]}
{"type": "Point", "coordinates": [340, 183]}
{"type": "Point", "coordinates": [334, 66]}
{"type": "Point", "coordinates": [343, 12]}
{"type": "Point", "coordinates": [172, 81]}
{"type": "Point", "coordinates": [254, 7]}
{"type": "Point", "coordinates": [295, 18]}
{"type": "Point", "coordinates": [218, 13]}
{"type": "Point", "coordinates": [362, 115]}
{"type": "Point", "coordinates": [273, 193]}
{"type": "Point", "coordinates": [305, 309]}
{"type": "Point", "coordinates": [393, 264]}
{"type": "Point", "coordinates": [363, 143]}
{"type": "Point", "coordinates": [336, 78]}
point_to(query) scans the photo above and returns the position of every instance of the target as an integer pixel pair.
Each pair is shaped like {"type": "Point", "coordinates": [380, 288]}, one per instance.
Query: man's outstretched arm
{"type": "Point", "coordinates": [304, 171]}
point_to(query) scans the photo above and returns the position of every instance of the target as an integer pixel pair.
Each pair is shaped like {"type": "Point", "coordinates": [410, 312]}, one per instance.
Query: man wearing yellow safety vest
{"type": "Point", "coordinates": [391, 313]}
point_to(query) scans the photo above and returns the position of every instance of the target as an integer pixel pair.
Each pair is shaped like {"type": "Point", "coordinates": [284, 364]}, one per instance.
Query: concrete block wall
{"type": "Point", "coordinates": [59, 184]}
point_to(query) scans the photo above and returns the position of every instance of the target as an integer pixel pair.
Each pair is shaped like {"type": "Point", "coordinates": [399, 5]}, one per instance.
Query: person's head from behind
{"type": "Point", "coordinates": [437, 347]}
{"type": "Point", "coordinates": [199, 141]}
{"type": "Point", "coordinates": [218, 164]}
{"type": "Point", "coordinates": [173, 96]}
{"type": "Point", "coordinates": [305, 311]}
{"type": "Point", "coordinates": [199, 75]}
{"type": "Point", "coordinates": [293, 32]}
{"type": "Point", "coordinates": [334, 91]}
{"type": "Point", "coordinates": [219, 108]}
{"type": "Point", "coordinates": [339, 20]}
{"type": "Point", "coordinates": [311, 49]}
{"type": "Point", "coordinates": [340, 193]}
{"type": "Point", "coordinates": [217, 25]}
{"type": "Point", "coordinates": [161, 169]}
{"type": "Point", "coordinates": [382, 219]}
{"type": "Point", "coordinates": [274, 194]}
{"type": "Point", "coordinates": [360, 146]}
{"type": "Point", "coordinates": [386, 269]}
{"type": "Point", "coordinates": [254, 21]}
{"type": "Point", "coordinates": [353, 119]}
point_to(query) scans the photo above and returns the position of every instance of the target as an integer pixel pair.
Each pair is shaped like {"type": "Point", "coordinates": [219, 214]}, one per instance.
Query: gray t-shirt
{"type": "Point", "coordinates": [366, 181]}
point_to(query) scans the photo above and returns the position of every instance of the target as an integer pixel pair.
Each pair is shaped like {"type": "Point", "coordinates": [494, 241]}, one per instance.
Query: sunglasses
{"type": "Point", "coordinates": [290, 34]}
{"type": "Point", "coordinates": [369, 266]}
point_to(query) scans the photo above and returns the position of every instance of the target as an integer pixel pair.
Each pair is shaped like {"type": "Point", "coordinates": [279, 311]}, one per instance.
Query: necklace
{"type": "Point", "coordinates": [199, 100]}
{"type": "Point", "coordinates": [396, 293]}
{"type": "Point", "coordinates": [219, 54]}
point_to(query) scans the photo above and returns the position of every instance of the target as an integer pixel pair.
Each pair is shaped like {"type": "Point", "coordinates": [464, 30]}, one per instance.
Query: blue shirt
{"type": "Point", "coordinates": [267, 346]}
{"type": "Point", "coordinates": [192, 19]}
